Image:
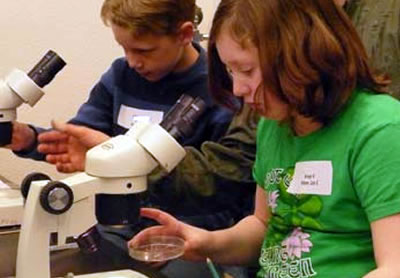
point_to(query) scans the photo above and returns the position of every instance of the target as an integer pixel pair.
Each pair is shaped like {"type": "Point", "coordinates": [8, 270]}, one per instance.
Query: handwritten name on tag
{"type": "Point", "coordinates": [128, 116]}
{"type": "Point", "coordinates": [312, 177]}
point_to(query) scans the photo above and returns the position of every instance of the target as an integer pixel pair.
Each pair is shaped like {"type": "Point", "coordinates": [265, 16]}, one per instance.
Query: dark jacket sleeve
{"type": "Point", "coordinates": [96, 112]}
{"type": "Point", "coordinates": [229, 159]}
{"type": "Point", "coordinates": [32, 153]}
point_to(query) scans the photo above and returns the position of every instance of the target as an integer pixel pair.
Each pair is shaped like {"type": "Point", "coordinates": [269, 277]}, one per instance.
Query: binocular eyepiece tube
{"type": "Point", "coordinates": [45, 70]}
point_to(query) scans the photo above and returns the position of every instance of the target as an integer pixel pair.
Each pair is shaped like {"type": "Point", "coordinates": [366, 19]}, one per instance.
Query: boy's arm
{"type": "Point", "coordinates": [23, 137]}
{"type": "Point", "coordinates": [24, 141]}
{"type": "Point", "coordinates": [94, 113]}
{"type": "Point", "coordinates": [97, 111]}
{"type": "Point", "coordinates": [231, 158]}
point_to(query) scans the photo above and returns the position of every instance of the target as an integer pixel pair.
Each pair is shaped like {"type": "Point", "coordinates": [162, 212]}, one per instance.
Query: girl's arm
{"type": "Point", "coordinates": [241, 244]}
{"type": "Point", "coordinates": [386, 241]}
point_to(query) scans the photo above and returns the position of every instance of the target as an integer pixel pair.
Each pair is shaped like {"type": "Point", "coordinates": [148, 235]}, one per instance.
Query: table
{"type": "Point", "coordinates": [65, 261]}
{"type": "Point", "coordinates": [69, 260]}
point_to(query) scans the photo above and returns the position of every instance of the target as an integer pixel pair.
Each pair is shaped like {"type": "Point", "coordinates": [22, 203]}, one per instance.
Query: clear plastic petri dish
{"type": "Point", "coordinates": [114, 274]}
{"type": "Point", "coordinates": [157, 249]}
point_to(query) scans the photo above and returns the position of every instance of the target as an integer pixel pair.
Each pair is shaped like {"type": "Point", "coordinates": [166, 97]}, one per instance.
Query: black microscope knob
{"type": "Point", "coordinates": [26, 182]}
{"type": "Point", "coordinates": [56, 197]}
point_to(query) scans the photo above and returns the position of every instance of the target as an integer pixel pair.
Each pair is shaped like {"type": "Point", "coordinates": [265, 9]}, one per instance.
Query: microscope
{"type": "Point", "coordinates": [109, 190]}
{"type": "Point", "coordinates": [198, 36]}
{"type": "Point", "coordinates": [19, 87]}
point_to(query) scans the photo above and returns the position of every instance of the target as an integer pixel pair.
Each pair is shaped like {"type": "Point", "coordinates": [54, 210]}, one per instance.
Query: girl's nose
{"type": "Point", "coordinates": [240, 89]}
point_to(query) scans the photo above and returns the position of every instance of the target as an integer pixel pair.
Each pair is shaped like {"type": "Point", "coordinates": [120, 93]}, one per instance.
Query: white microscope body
{"type": "Point", "coordinates": [18, 88]}
{"type": "Point", "coordinates": [15, 89]}
{"type": "Point", "coordinates": [117, 166]}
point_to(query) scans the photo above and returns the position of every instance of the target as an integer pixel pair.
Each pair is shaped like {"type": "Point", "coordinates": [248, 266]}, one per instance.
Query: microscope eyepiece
{"type": "Point", "coordinates": [180, 120]}
{"type": "Point", "coordinates": [45, 70]}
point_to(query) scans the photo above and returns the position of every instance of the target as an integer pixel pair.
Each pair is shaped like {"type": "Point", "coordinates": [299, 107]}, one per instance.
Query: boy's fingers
{"type": "Point", "coordinates": [70, 129]}
{"type": "Point", "coordinates": [51, 136]}
{"type": "Point", "coordinates": [65, 168]}
{"type": "Point", "coordinates": [57, 158]}
{"type": "Point", "coordinates": [58, 125]}
{"type": "Point", "coordinates": [52, 148]}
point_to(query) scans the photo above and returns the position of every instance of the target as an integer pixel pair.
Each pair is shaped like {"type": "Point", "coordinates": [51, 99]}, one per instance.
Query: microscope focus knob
{"type": "Point", "coordinates": [26, 182]}
{"type": "Point", "coordinates": [56, 197]}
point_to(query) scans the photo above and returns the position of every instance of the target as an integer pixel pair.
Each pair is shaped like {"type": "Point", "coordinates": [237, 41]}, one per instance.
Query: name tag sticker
{"type": "Point", "coordinates": [128, 116]}
{"type": "Point", "coordinates": [312, 177]}
{"type": "Point", "coordinates": [140, 119]}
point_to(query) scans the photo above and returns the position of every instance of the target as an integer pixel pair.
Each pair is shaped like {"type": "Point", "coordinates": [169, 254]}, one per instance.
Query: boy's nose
{"type": "Point", "coordinates": [134, 62]}
{"type": "Point", "coordinates": [135, 65]}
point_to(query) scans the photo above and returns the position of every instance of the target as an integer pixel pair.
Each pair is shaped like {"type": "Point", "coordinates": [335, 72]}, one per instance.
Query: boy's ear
{"type": "Point", "coordinates": [186, 32]}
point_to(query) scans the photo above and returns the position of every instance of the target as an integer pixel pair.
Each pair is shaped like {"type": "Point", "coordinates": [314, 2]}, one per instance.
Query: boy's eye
{"type": "Point", "coordinates": [139, 51]}
{"type": "Point", "coordinates": [143, 50]}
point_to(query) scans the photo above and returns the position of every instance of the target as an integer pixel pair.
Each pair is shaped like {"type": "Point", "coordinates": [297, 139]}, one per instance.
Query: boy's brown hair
{"type": "Point", "coordinates": [157, 17]}
{"type": "Point", "coordinates": [310, 54]}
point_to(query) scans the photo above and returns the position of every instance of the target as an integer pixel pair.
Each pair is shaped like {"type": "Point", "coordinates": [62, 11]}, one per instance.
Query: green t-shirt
{"type": "Point", "coordinates": [345, 176]}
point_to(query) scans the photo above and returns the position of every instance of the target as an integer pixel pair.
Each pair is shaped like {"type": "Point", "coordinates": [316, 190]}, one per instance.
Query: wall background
{"type": "Point", "coordinates": [75, 31]}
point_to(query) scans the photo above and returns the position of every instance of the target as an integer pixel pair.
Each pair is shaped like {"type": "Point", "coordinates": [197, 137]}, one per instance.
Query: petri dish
{"type": "Point", "coordinates": [126, 273]}
{"type": "Point", "coordinates": [157, 249]}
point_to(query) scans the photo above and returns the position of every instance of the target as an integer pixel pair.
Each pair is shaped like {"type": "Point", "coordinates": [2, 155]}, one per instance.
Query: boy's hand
{"type": "Point", "coordinates": [23, 137]}
{"type": "Point", "coordinates": [66, 146]}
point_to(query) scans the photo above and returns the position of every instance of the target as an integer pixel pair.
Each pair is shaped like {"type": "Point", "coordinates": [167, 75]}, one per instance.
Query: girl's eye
{"type": "Point", "coordinates": [247, 71]}
{"type": "Point", "coordinates": [230, 72]}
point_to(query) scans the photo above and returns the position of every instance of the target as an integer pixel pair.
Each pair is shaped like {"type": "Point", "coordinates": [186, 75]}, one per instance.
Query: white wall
{"type": "Point", "coordinates": [74, 30]}
{"type": "Point", "coordinates": [208, 7]}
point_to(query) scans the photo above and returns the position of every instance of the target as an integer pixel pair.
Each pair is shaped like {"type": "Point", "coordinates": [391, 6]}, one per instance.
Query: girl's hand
{"type": "Point", "coordinates": [195, 239]}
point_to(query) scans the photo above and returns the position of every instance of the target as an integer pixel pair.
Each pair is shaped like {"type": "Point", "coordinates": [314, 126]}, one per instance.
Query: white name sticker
{"type": "Point", "coordinates": [312, 177]}
{"type": "Point", "coordinates": [128, 116]}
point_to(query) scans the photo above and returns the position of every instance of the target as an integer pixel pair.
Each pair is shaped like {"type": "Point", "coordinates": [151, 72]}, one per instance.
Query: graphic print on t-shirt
{"type": "Point", "coordinates": [286, 250]}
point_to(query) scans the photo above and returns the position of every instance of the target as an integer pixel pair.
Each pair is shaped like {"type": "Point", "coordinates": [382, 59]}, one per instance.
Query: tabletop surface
{"type": "Point", "coordinates": [67, 261]}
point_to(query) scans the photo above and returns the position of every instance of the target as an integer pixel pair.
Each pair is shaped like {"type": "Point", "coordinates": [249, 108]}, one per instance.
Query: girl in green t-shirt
{"type": "Point", "coordinates": [328, 198]}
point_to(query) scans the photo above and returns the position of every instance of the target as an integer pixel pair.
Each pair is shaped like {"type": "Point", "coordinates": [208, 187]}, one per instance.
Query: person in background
{"type": "Point", "coordinates": [327, 145]}
{"type": "Point", "coordinates": [161, 63]}
{"type": "Point", "coordinates": [378, 24]}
